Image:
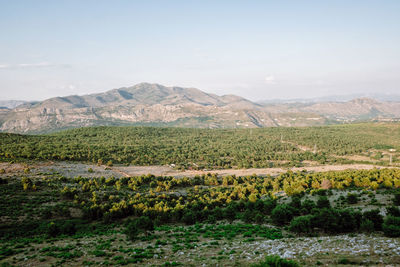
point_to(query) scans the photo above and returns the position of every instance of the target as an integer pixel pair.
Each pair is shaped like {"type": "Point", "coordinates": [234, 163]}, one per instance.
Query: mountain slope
{"type": "Point", "coordinates": [143, 103]}
{"type": "Point", "coordinates": [356, 109]}
{"type": "Point", "coordinates": [154, 104]}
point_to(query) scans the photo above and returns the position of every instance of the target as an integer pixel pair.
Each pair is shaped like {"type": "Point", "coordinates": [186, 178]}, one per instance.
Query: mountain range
{"type": "Point", "coordinates": [158, 105]}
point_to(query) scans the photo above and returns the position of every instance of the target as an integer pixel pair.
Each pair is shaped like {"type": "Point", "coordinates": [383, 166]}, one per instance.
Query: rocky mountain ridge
{"type": "Point", "coordinates": [157, 105]}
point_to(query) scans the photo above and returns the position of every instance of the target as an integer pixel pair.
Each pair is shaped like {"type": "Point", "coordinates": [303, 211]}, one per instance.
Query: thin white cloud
{"type": "Point", "coordinates": [31, 65]}
{"type": "Point", "coordinates": [270, 79]}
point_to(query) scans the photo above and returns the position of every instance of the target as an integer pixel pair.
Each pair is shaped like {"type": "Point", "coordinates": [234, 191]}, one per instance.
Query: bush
{"type": "Point", "coordinates": [393, 211]}
{"type": "Point", "coordinates": [396, 199]}
{"type": "Point", "coordinates": [276, 261]}
{"type": "Point", "coordinates": [68, 228]}
{"type": "Point", "coordinates": [269, 205]}
{"type": "Point", "coordinates": [248, 216]}
{"type": "Point", "coordinates": [367, 226]}
{"type": "Point", "coordinates": [53, 230]}
{"type": "Point", "coordinates": [145, 223]}
{"type": "Point", "coordinates": [375, 218]}
{"type": "Point", "coordinates": [229, 213]}
{"type": "Point", "coordinates": [301, 224]}
{"type": "Point", "coordinates": [323, 202]}
{"type": "Point", "coordinates": [141, 224]}
{"type": "Point", "coordinates": [259, 218]}
{"type": "Point", "coordinates": [189, 218]}
{"type": "Point", "coordinates": [296, 202]}
{"type": "Point", "coordinates": [61, 228]}
{"type": "Point", "coordinates": [308, 205]}
{"type": "Point", "coordinates": [391, 226]}
{"type": "Point", "coordinates": [352, 198]}
{"type": "Point", "coordinates": [346, 221]}
{"type": "Point", "coordinates": [132, 231]}
{"type": "Point", "coordinates": [282, 214]}
{"type": "Point", "coordinates": [328, 220]}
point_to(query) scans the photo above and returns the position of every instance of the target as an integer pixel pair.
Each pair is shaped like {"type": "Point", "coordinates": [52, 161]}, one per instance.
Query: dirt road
{"type": "Point", "coordinates": [166, 171]}
{"type": "Point", "coordinates": [73, 169]}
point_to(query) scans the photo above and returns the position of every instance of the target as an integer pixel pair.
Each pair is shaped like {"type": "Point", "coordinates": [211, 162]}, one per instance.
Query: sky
{"type": "Point", "coordinates": [255, 49]}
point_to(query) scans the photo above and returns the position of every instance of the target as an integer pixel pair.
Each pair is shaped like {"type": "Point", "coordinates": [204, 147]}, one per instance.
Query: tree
{"type": "Point", "coordinates": [375, 217]}
{"type": "Point", "coordinates": [282, 214]}
{"type": "Point", "coordinates": [323, 202]}
{"type": "Point", "coordinates": [301, 224]}
{"type": "Point", "coordinates": [391, 226]}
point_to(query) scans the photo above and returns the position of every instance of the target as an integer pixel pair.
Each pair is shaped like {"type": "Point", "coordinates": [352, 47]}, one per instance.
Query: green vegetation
{"type": "Point", "coordinates": [49, 219]}
{"type": "Point", "coordinates": [214, 208]}
{"type": "Point", "coordinates": [276, 261]}
{"type": "Point", "coordinates": [204, 148]}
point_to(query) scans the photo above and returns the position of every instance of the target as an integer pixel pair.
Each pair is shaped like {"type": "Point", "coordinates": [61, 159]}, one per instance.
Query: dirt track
{"type": "Point", "coordinates": [162, 170]}
{"type": "Point", "coordinates": [71, 169]}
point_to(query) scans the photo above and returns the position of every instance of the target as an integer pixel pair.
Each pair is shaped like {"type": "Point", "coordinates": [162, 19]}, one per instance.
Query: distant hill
{"type": "Point", "coordinates": [334, 98]}
{"type": "Point", "coordinates": [158, 105]}
{"type": "Point", "coordinates": [10, 104]}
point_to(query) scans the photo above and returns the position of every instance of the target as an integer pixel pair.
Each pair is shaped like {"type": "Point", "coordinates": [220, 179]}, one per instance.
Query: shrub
{"type": "Point", "coordinates": [323, 202]}
{"type": "Point", "coordinates": [61, 228]}
{"type": "Point", "coordinates": [53, 229]}
{"type": "Point", "coordinates": [282, 214]}
{"type": "Point", "coordinates": [141, 224]}
{"type": "Point", "coordinates": [346, 221]}
{"type": "Point", "coordinates": [218, 213]}
{"type": "Point", "coordinates": [46, 214]}
{"type": "Point", "coordinates": [308, 205]}
{"type": "Point", "coordinates": [90, 170]}
{"type": "Point", "coordinates": [189, 218]}
{"type": "Point", "coordinates": [367, 226]}
{"type": "Point", "coordinates": [321, 192]}
{"type": "Point", "coordinates": [396, 199]}
{"type": "Point", "coordinates": [276, 261]}
{"type": "Point", "coordinates": [391, 226]}
{"type": "Point", "coordinates": [259, 218]}
{"type": "Point", "coordinates": [68, 228]}
{"type": "Point", "coordinates": [211, 219]}
{"type": "Point", "coordinates": [248, 216]}
{"type": "Point", "coordinates": [375, 217]}
{"type": "Point", "coordinates": [301, 224]}
{"type": "Point", "coordinates": [393, 211]}
{"type": "Point", "coordinates": [145, 223]}
{"type": "Point", "coordinates": [352, 198]}
{"type": "Point", "coordinates": [328, 220]}
{"type": "Point", "coordinates": [132, 231]}
{"type": "Point", "coordinates": [229, 213]}
{"type": "Point", "coordinates": [269, 205]}
{"type": "Point", "coordinates": [296, 202]}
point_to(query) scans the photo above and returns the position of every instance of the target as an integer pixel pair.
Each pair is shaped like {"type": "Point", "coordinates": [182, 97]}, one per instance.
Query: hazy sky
{"type": "Point", "coordinates": [256, 49]}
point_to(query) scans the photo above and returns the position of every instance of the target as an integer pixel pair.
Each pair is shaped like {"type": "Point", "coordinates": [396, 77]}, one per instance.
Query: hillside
{"type": "Point", "coordinates": [211, 148]}
{"type": "Point", "coordinates": [157, 105]}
